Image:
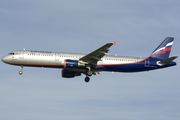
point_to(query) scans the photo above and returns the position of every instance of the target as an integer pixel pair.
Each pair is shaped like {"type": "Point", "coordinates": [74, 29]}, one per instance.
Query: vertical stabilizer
{"type": "Point", "coordinates": [163, 50]}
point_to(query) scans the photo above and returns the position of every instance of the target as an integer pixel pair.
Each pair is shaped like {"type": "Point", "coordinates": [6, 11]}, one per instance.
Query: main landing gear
{"type": "Point", "coordinates": [87, 79]}
{"type": "Point", "coordinates": [89, 72]}
{"type": "Point", "coordinates": [20, 72]}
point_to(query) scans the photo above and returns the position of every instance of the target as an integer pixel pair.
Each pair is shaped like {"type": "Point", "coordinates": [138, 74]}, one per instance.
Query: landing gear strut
{"type": "Point", "coordinates": [20, 72]}
{"type": "Point", "coordinates": [88, 73]}
{"type": "Point", "coordinates": [87, 79]}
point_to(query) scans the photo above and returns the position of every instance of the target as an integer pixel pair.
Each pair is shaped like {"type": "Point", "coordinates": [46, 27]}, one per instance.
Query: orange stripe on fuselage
{"type": "Point", "coordinates": [65, 63]}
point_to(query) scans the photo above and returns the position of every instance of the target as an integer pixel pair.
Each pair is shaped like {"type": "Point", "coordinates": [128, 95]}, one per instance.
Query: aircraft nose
{"type": "Point", "coordinates": [4, 59]}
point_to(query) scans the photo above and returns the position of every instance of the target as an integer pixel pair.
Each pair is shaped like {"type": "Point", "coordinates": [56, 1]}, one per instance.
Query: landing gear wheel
{"type": "Point", "coordinates": [20, 72]}
{"type": "Point", "coordinates": [87, 79]}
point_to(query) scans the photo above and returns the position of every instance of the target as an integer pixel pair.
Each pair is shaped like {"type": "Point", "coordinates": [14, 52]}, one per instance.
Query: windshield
{"type": "Point", "coordinates": [11, 53]}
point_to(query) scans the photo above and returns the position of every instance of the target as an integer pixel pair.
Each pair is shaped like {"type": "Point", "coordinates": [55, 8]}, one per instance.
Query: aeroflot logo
{"type": "Point", "coordinates": [40, 52]}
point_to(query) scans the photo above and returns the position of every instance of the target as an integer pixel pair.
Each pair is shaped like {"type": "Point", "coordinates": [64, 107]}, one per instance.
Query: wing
{"type": "Point", "coordinates": [95, 56]}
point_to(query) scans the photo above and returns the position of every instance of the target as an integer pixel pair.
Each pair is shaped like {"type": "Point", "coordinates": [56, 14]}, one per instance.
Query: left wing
{"type": "Point", "coordinates": [95, 56]}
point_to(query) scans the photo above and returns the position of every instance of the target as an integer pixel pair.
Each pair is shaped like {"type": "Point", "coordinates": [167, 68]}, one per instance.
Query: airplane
{"type": "Point", "coordinates": [73, 64]}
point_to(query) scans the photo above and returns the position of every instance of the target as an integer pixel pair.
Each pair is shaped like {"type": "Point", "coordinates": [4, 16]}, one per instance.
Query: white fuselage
{"type": "Point", "coordinates": [56, 59]}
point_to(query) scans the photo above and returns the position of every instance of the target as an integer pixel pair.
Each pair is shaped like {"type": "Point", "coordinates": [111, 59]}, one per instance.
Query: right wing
{"type": "Point", "coordinates": [95, 56]}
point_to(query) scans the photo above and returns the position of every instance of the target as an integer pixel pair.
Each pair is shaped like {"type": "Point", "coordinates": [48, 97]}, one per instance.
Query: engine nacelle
{"type": "Point", "coordinates": [69, 73]}
{"type": "Point", "coordinates": [73, 63]}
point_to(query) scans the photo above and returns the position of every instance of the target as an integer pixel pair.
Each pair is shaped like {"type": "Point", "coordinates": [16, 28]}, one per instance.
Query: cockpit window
{"type": "Point", "coordinates": [11, 53]}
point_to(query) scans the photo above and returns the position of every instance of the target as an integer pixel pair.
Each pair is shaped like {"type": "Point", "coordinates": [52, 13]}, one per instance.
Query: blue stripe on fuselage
{"type": "Point", "coordinates": [135, 67]}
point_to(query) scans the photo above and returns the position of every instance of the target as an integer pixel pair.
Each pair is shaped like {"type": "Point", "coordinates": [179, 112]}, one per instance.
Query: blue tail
{"type": "Point", "coordinates": [163, 50]}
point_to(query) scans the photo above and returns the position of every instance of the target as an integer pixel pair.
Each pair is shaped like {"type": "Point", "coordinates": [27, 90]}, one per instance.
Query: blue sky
{"type": "Point", "coordinates": [82, 26]}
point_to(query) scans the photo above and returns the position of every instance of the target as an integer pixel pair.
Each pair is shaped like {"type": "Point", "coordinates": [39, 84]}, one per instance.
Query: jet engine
{"type": "Point", "coordinates": [69, 73]}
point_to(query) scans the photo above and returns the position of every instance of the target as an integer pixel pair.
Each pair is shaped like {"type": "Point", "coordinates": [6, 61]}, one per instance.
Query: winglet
{"type": "Point", "coordinates": [114, 42]}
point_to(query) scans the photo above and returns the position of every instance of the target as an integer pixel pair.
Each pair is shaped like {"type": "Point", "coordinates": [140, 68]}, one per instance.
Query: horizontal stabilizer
{"type": "Point", "coordinates": [167, 61]}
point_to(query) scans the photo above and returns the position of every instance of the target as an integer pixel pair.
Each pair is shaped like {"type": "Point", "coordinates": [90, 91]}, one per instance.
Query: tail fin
{"type": "Point", "coordinates": [163, 50]}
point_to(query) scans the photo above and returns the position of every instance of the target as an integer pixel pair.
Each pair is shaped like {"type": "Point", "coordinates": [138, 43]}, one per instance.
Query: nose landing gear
{"type": "Point", "coordinates": [20, 72]}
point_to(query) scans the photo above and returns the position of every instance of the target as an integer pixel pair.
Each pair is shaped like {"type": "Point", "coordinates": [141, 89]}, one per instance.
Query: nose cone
{"type": "Point", "coordinates": [5, 59]}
